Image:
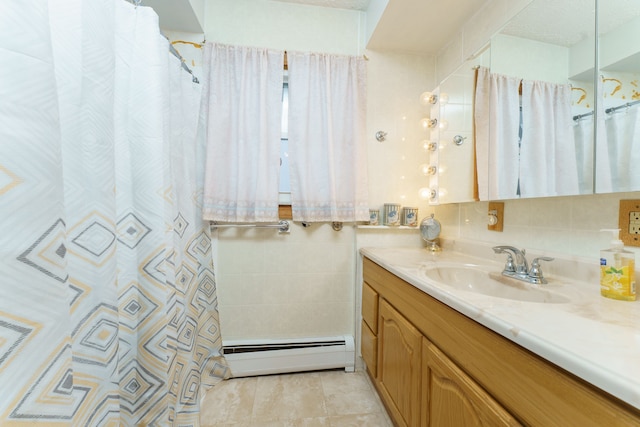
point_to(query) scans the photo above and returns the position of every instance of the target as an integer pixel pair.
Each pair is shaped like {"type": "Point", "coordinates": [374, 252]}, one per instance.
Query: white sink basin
{"type": "Point", "coordinates": [473, 278]}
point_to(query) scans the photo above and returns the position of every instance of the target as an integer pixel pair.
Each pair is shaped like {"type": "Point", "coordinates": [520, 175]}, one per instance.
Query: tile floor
{"type": "Point", "coordinates": [324, 398]}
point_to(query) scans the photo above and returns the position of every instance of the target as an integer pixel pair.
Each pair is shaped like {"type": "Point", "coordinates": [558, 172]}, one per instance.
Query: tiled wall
{"type": "Point", "coordinates": [274, 285]}
{"type": "Point", "coordinates": [560, 226]}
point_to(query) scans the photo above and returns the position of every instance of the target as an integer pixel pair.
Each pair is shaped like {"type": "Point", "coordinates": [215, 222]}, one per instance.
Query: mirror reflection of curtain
{"type": "Point", "coordinates": [623, 140]}
{"type": "Point", "coordinates": [548, 165]}
{"type": "Point", "coordinates": [497, 127]}
{"type": "Point", "coordinates": [107, 292]}
{"type": "Point", "coordinates": [603, 178]}
{"type": "Point", "coordinates": [327, 145]}
{"type": "Point", "coordinates": [243, 108]}
{"type": "Point", "coordinates": [583, 136]}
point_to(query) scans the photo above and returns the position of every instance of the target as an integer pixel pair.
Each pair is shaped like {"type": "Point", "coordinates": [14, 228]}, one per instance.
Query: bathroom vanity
{"type": "Point", "coordinates": [445, 356]}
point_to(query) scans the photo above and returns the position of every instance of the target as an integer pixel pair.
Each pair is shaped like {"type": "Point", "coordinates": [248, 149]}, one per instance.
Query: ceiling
{"type": "Point", "coordinates": [421, 26]}
{"type": "Point", "coordinates": [417, 26]}
{"type": "Point", "coordinates": [340, 4]}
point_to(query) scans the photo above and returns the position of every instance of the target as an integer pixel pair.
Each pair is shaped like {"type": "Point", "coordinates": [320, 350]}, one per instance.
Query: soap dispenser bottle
{"type": "Point", "coordinates": [617, 270]}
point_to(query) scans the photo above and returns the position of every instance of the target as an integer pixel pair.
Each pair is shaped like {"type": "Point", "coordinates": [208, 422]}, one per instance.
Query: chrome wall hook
{"type": "Point", "coordinates": [381, 135]}
{"type": "Point", "coordinates": [458, 139]}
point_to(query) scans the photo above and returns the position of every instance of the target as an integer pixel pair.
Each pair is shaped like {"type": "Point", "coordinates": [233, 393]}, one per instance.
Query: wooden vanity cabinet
{"type": "Point", "coordinates": [435, 367]}
{"type": "Point", "coordinates": [451, 398]}
{"type": "Point", "coordinates": [399, 367]}
{"type": "Point", "coordinates": [369, 339]}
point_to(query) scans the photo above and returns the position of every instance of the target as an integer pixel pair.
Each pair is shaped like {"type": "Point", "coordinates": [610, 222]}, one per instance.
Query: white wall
{"type": "Point", "coordinates": [529, 59]}
{"type": "Point", "coordinates": [303, 283]}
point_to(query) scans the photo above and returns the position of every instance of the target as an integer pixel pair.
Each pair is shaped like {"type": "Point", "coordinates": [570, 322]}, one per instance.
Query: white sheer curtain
{"type": "Point", "coordinates": [623, 141]}
{"type": "Point", "coordinates": [242, 104]}
{"type": "Point", "coordinates": [497, 122]}
{"type": "Point", "coordinates": [108, 309]}
{"type": "Point", "coordinates": [327, 147]}
{"type": "Point", "coordinates": [548, 165]}
{"type": "Point", "coordinates": [584, 140]}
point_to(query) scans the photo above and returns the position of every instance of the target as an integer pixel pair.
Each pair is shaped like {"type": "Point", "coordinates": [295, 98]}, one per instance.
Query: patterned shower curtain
{"type": "Point", "coordinates": [108, 310]}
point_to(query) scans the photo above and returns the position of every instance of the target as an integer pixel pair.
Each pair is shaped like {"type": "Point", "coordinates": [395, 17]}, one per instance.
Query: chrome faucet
{"type": "Point", "coordinates": [519, 269]}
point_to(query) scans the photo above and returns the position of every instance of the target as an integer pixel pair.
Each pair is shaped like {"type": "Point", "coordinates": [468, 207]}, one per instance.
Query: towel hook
{"type": "Point", "coordinates": [458, 139]}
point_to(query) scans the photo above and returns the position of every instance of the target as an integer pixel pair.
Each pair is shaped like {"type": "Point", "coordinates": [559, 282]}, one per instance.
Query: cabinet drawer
{"type": "Point", "coordinates": [370, 307]}
{"type": "Point", "coordinates": [369, 348]}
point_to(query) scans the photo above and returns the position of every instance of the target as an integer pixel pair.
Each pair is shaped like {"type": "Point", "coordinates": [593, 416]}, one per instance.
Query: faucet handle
{"type": "Point", "coordinates": [535, 274]}
{"type": "Point", "coordinates": [510, 266]}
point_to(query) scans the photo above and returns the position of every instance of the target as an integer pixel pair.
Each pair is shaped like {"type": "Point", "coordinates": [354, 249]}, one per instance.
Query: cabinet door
{"type": "Point", "coordinates": [370, 307]}
{"type": "Point", "coordinates": [399, 365]}
{"type": "Point", "coordinates": [369, 349]}
{"type": "Point", "coordinates": [450, 398]}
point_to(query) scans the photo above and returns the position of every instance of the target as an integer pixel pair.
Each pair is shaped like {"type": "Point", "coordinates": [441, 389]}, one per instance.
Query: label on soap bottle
{"type": "Point", "coordinates": [617, 279]}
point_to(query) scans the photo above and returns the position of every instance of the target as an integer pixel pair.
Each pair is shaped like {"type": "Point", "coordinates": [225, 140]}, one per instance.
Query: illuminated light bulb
{"type": "Point", "coordinates": [443, 124]}
{"type": "Point", "coordinates": [424, 193]}
{"type": "Point", "coordinates": [442, 169]}
{"type": "Point", "coordinates": [444, 98]}
{"type": "Point", "coordinates": [428, 123]}
{"type": "Point", "coordinates": [427, 98]}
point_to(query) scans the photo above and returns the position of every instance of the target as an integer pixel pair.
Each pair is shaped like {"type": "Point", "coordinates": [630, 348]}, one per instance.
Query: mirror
{"type": "Point", "coordinates": [451, 153]}
{"type": "Point", "coordinates": [549, 48]}
{"type": "Point", "coordinates": [618, 135]}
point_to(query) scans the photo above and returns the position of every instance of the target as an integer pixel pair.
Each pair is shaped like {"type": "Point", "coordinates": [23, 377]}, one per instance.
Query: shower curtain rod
{"type": "Point", "coordinates": [177, 55]}
{"type": "Point", "coordinates": [579, 116]}
{"type": "Point", "coordinates": [619, 107]}
{"type": "Point", "coordinates": [608, 110]}
{"type": "Point", "coordinates": [282, 225]}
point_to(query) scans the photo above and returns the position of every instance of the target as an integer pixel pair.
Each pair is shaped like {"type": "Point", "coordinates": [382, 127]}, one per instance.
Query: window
{"type": "Point", "coordinates": [285, 184]}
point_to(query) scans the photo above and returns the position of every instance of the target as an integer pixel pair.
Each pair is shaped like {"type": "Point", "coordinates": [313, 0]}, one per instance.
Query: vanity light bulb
{"type": "Point", "coordinates": [426, 169]}
{"type": "Point", "coordinates": [443, 124]}
{"type": "Point", "coordinates": [424, 193]}
{"type": "Point", "coordinates": [431, 146]}
{"type": "Point", "coordinates": [428, 98]}
{"type": "Point", "coordinates": [444, 98]}
{"type": "Point", "coordinates": [428, 123]}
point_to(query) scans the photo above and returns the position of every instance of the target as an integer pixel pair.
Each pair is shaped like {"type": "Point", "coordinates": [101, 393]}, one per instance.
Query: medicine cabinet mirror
{"type": "Point", "coordinates": [451, 152]}
{"type": "Point", "coordinates": [618, 135]}
{"type": "Point", "coordinates": [555, 42]}
{"type": "Point", "coordinates": [548, 49]}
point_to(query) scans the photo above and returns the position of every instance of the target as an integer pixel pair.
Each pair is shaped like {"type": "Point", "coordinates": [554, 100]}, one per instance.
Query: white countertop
{"type": "Point", "coordinates": [595, 338]}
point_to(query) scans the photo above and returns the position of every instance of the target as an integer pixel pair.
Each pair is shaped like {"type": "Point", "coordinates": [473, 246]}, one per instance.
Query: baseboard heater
{"type": "Point", "coordinates": [263, 357]}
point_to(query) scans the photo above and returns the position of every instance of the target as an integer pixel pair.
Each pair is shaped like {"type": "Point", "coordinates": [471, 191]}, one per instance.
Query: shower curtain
{"type": "Point", "coordinates": [108, 311]}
